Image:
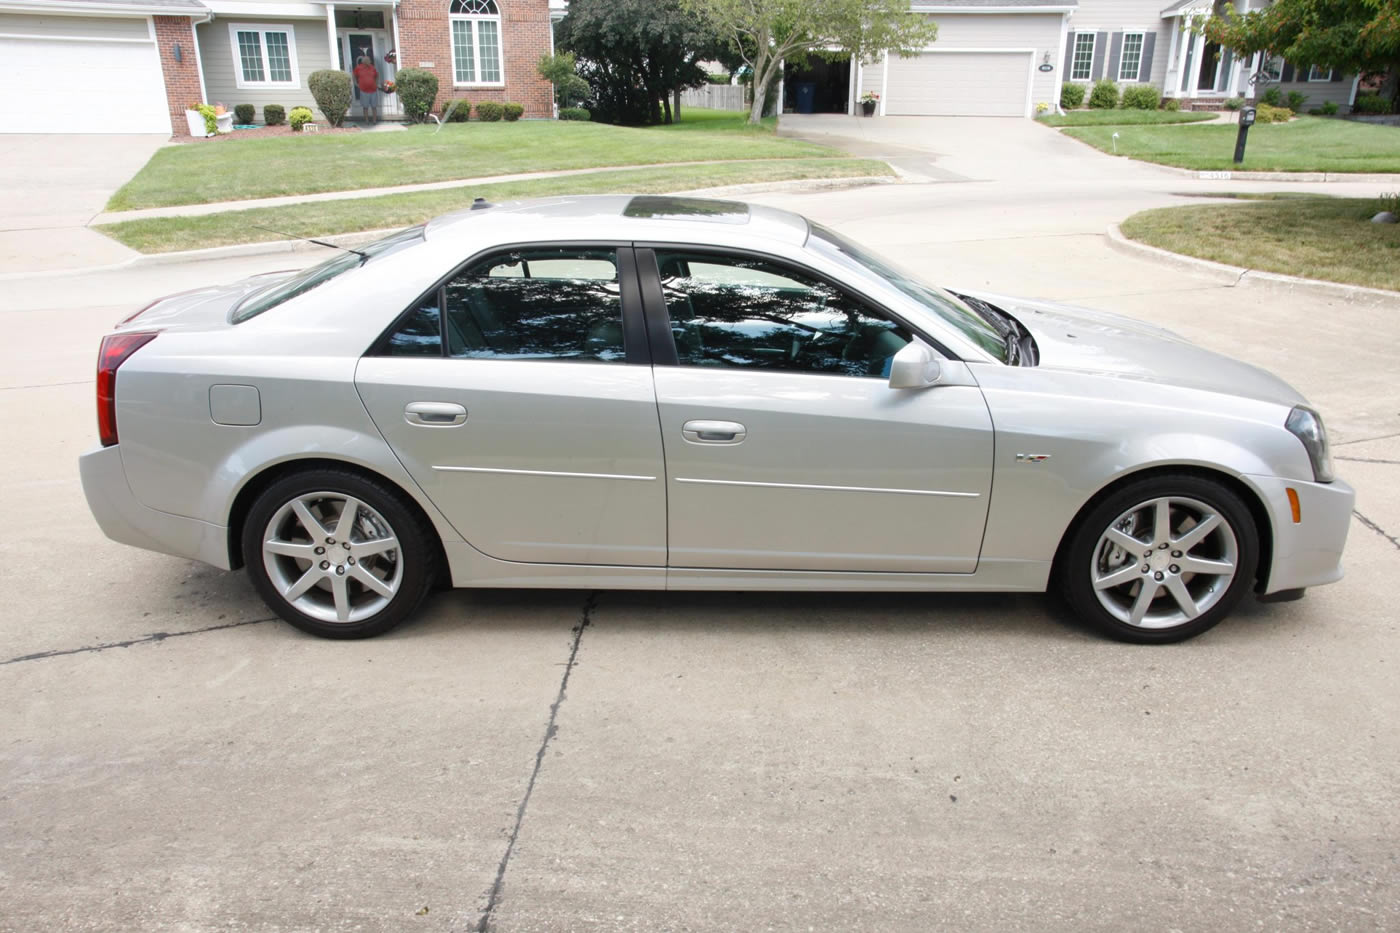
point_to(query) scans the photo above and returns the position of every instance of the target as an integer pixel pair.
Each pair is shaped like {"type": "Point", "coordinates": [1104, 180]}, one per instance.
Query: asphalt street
{"type": "Point", "coordinates": [173, 760]}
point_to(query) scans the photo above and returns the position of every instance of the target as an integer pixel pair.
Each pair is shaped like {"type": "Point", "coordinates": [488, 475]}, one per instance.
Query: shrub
{"type": "Point", "coordinates": [712, 78]}
{"type": "Point", "coordinates": [1104, 96]}
{"type": "Point", "coordinates": [1273, 97]}
{"type": "Point", "coordinates": [1234, 103]}
{"type": "Point", "coordinates": [1072, 96]}
{"type": "Point", "coordinates": [489, 111]}
{"type": "Point", "coordinates": [574, 113]}
{"type": "Point", "coordinates": [331, 89]}
{"type": "Point", "coordinates": [1267, 113]}
{"type": "Point", "coordinates": [244, 113]}
{"type": "Point", "coordinates": [211, 124]}
{"type": "Point", "coordinates": [456, 110]}
{"type": "Point", "coordinates": [1141, 97]}
{"type": "Point", "coordinates": [1330, 108]}
{"type": "Point", "coordinates": [561, 71]}
{"type": "Point", "coordinates": [1171, 104]}
{"type": "Point", "coordinates": [417, 89]}
{"type": "Point", "coordinates": [512, 112]}
{"type": "Point", "coordinates": [299, 117]}
{"type": "Point", "coordinates": [274, 114]}
{"type": "Point", "coordinates": [1370, 103]}
{"type": "Point", "coordinates": [1296, 101]}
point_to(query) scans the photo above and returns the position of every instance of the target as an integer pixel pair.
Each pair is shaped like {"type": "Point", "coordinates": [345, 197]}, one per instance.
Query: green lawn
{"type": "Point", "coordinates": [232, 170]}
{"type": "Point", "coordinates": [1122, 117]}
{"type": "Point", "coordinates": [1308, 144]}
{"type": "Point", "coordinates": [1323, 238]}
{"type": "Point", "coordinates": [320, 218]}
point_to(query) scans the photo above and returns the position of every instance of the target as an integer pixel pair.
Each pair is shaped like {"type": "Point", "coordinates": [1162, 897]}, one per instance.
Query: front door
{"type": "Point", "coordinates": [513, 398]}
{"type": "Point", "coordinates": [785, 447]}
{"type": "Point", "coordinates": [372, 44]}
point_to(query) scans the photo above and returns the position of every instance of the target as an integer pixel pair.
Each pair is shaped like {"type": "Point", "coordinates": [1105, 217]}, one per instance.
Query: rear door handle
{"type": "Point", "coordinates": [435, 414]}
{"type": "Point", "coordinates": [714, 432]}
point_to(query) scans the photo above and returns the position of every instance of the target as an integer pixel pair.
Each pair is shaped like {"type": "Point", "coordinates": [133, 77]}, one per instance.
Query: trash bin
{"type": "Point", "coordinates": [806, 96]}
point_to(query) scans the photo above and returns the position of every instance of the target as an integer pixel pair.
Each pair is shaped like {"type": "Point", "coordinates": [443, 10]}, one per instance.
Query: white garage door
{"type": "Point", "coordinates": [65, 86]}
{"type": "Point", "coordinates": [963, 84]}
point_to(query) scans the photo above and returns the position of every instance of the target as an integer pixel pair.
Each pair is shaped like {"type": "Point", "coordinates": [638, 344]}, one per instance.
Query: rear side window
{"type": "Point", "coordinates": [551, 303]}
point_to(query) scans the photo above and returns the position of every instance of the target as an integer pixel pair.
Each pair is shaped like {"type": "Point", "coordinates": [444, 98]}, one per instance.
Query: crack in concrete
{"type": "Point", "coordinates": [1377, 529]}
{"type": "Point", "coordinates": [1366, 440]}
{"type": "Point", "coordinates": [1368, 460]}
{"type": "Point", "coordinates": [493, 897]}
{"type": "Point", "coordinates": [145, 639]}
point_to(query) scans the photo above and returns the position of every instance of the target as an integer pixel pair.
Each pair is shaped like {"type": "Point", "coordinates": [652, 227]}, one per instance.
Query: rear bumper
{"type": "Point", "coordinates": [1308, 553]}
{"type": "Point", "coordinates": [122, 518]}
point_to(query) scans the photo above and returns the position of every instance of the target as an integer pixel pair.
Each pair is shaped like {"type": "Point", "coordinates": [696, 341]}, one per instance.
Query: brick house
{"type": "Point", "coordinates": [167, 54]}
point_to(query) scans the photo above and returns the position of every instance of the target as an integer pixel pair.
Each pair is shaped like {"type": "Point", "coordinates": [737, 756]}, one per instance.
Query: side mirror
{"type": "Point", "coordinates": [915, 367]}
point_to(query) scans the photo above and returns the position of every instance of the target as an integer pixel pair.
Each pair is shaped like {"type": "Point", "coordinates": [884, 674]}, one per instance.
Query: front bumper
{"type": "Point", "coordinates": [122, 518]}
{"type": "Point", "coordinates": [1308, 553]}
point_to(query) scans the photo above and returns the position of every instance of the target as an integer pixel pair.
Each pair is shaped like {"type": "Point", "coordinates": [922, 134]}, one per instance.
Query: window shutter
{"type": "Point", "coordinates": [1337, 75]}
{"type": "Point", "coordinates": [1100, 47]}
{"type": "Point", "coordinates": [1069, 56]}
{"type": "Point", "coordinates": [1115, 55]}
{"type": "Point", "coordinates": [1287, 74]}
{"type": "Point", "coordinates": [1145, 66]}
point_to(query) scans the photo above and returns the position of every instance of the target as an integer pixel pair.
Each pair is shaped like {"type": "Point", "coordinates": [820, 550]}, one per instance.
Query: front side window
{"type": "Point", "coordinates": [747, 313]}
{"type": "Point", "coordinates": [1131, 61]}
{"type": "Point", "coordinates": [1083, 65]}
{"type": "Point", "coordinates": [547, 303]}
{"type": "Point", "coordinates": [263, 57]}
{"type": "Point", "coordinates": [1319, 74]}
{"type": "Point", "coordinates": [476, 42]}
{"type": "Point", "coordinates": [1271, 67]}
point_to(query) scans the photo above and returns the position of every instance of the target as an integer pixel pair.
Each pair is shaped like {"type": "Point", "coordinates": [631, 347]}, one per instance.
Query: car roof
{"type": "Point", "coordinates": [623, 217]}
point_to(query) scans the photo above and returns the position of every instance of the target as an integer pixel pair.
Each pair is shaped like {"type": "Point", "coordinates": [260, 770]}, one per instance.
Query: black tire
{"type": "Point", "coordinates": [413, 561]}
{"type": "Point", "coordinates": [1087, 547]}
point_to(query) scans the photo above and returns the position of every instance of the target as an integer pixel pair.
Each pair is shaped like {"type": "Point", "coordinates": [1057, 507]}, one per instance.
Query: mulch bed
{"type": "Point", "coordinates": [283, 130]}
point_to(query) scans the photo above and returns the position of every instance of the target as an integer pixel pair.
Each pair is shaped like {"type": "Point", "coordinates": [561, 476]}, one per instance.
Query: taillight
{"type": "Point", "coordinates": [116, 348]}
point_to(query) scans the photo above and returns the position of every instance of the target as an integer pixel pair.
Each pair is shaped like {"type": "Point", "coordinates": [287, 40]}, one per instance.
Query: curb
{"type": "Point", "coordinates": [1203, 175]}
{"type": "Point", "coordinates": [1238, 276]}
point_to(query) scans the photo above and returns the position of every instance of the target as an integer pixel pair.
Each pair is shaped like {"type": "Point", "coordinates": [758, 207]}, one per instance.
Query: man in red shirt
{"type": "Point", "coordinates": [367, 79]}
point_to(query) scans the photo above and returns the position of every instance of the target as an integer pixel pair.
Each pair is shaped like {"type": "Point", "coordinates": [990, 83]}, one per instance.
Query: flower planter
{"type": "Point", "coordinates": [195, 119]}
{"type": "Point", "coordinates": [224, 121]}
{"type": "Point", "coordinates": [867, 107]}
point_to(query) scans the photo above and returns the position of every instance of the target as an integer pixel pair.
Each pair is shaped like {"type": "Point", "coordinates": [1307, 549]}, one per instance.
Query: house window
{"type": "Point", "coordinates": [1271, 68]}
{"type": "Point", "coordinates": [1083, 66]}
{"type": "Point", "coordinates": [263, 56]}
{"type": "Point", "coordinates": [1131, 61]}
{"type": "Point", "coordinates": [476, 42]}
{"type": "Point", "coordinates": [1319, 74]}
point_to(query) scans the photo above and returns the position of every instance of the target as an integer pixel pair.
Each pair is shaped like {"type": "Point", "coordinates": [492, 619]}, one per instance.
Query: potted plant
{"type": "Point", "coordinates": [223, 120]}
{"type": "Point", "coordinates": [868, 101]}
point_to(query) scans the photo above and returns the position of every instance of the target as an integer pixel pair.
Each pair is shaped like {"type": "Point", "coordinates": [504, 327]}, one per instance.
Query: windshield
{"type": "Point", "coordinates": [946, 306]}
{"type": "Point", "coordinates": [288, 288]}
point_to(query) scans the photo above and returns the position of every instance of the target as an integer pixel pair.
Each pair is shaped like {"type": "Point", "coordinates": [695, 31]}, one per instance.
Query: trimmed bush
{"type": "Point", "coordinates": [1071, 96]}
{"type": "Point", "coordinates": [1104, 96]}
{"type": "Point", "coordinates": [713, 78]}
{"type": "Point", "coordinates": [489, 111]}
{"type": "Point", "coordinates": [1171, 105]}
{"type": "Point", "coordinates": [1330, 108]}
{"type": "Point", "coordinates": [274, 114]}
{"type": "Point", "coordinates": [575, 113]}
{"type": "Point", "coordinates": [1273, 97]}
{"type": "Point", "coordinates": [512, 112]}
{"type": "Point", "coordinates": [1141, 97]}
{"type": "Point", "coordinates": [299, 117]}
{"type": "Point", "coordinates": [1234, 103]}
{"type": "Point", "coordinates": [331, 90]}
{"type": "Point", "coordinates": [1370, 103]}
{"type": "Point", "coordinates": [417, 91]}
{"type": "Point", "coordinates": [456, 110]}
{"type": "Point", "coordinates": [1267, 113]}
{"type": "Point", "coordinates": [244, 113]}
{"type": "Point", "coordinates": [1296, 101]}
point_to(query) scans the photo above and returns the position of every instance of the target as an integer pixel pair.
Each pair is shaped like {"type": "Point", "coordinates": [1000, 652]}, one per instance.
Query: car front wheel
{"type": "Point", "coordinates": [1161, 560]}
{"type": "Point", "coordinates": [337, 554]}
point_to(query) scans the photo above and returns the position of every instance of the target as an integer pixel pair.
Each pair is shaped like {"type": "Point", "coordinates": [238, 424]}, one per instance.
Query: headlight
{"type": "Point", "coordinates": [1306, 425]}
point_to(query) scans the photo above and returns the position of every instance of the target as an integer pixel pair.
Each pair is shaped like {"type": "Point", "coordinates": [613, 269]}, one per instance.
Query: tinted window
{"type": "Point", "coordinates": [750, 314]}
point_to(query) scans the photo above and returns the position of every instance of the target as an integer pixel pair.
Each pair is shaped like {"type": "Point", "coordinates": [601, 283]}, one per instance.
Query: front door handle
{"type": "Point", "coordinates": [435, 414]}
{"type": "Point", "coordinates": [714, 432]}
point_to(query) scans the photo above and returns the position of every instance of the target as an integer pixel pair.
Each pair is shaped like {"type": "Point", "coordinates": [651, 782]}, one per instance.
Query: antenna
{"type": "Point", "coordinates": [293, 236]}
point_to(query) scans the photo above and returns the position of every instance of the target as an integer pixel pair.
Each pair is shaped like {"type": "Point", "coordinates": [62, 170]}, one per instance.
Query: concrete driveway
{"type": "Point", "coordinates": [55, 185]}
{"type": "Point", "coordinates": [547, 761]}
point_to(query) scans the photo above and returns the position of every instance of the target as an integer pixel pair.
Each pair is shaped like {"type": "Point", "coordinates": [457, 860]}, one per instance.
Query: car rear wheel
{"type": "Point", "coordinates": [337, 554]}
{"type": "Point", "coordinates": [1161, 560]}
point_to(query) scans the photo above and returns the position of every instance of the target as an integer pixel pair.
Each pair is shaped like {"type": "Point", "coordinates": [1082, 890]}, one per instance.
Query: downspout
{"type": "Point", "coordinates": [199, 59]}
{"type": "Point", "coordinates": [1060, 61]}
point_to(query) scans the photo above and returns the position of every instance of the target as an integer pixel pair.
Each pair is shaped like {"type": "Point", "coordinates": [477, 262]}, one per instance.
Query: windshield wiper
{"type": "Point", "coordinates": [1012, 334]}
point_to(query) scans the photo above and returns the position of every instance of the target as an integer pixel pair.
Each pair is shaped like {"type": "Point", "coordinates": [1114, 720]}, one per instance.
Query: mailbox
{"type": "Point", "coordinates": [1247, 116]}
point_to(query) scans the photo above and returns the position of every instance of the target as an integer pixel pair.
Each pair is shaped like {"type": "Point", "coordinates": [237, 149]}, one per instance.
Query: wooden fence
{"type": "Point", "coordinates": [714, 97]}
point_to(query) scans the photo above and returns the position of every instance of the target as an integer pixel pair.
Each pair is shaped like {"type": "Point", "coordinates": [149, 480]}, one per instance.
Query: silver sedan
{"type": "Point", "coordinates": [670, 393]}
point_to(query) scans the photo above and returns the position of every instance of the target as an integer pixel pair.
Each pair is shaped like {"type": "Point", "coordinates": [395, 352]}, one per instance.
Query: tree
{"type": "Point", "coordinates": [767, 32]}
{"type": "Point", "coordinates": [1352, 36]}
{"type": "Point", "coordinates": [635, 54]}
{"type": "Point", "coordinates": [562, 71]}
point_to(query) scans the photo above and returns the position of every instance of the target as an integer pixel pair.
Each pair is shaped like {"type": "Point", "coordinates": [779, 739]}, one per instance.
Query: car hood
{"type": "Point", "coordinates": [198, 308]}
{"type": "Point", "coordinates": [1111, 345]}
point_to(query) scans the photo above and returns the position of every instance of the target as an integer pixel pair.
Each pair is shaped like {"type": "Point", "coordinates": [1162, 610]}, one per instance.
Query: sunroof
{"type": "Point", "coordinates": [661, 207]}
